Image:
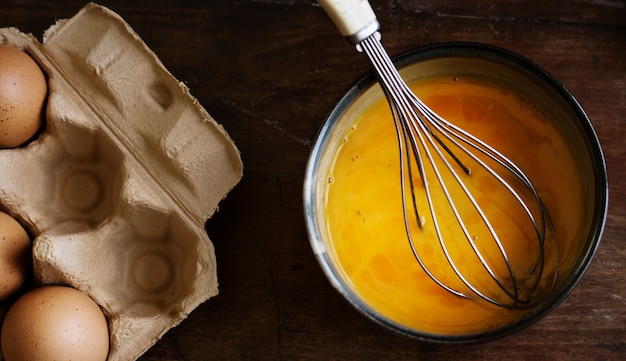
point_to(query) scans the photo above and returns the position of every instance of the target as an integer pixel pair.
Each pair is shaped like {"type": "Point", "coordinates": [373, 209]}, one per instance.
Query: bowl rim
{"type": "Point", "coordinates": [490, 53]}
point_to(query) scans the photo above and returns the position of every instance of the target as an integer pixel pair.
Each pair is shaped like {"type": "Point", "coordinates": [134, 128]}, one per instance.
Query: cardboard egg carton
{"type": "Point", "coordinates": [117, 187]}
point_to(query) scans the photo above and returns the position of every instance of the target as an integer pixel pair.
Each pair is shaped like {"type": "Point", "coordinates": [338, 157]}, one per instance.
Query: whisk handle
{"type": "Point", "coordinates": [355, 19]}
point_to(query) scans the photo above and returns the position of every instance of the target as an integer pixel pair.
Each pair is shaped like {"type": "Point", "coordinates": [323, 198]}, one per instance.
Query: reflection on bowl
{"type": "Point", "coordinates": [352, 191]}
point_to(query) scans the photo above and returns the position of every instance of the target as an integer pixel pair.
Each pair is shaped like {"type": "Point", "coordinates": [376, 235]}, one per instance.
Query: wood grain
{"type": "Point", "coordinates": [269, 71]}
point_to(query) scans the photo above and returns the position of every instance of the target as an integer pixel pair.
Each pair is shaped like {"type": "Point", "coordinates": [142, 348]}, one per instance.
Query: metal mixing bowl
{"type": "Point", "coordinates": [502, 67]}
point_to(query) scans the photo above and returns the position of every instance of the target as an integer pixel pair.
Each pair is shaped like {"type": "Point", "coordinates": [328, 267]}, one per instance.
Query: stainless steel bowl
{"type": "Point", "coordinates": [499, 66]}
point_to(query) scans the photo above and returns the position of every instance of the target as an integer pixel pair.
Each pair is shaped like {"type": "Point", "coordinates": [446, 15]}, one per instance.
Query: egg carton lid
{"type": "Point", "coordinates": [145, 110]}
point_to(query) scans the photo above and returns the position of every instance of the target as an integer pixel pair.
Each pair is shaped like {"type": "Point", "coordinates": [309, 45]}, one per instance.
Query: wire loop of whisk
{"type": "Point", "coordinates": [426, 138]}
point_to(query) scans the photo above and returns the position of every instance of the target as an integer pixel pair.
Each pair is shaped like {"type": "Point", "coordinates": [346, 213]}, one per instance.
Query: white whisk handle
{"type": "Point", "coordinates": [355, 19]}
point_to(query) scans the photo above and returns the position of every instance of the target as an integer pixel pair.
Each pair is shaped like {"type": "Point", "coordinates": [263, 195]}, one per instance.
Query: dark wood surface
{"type": "Point", "coordinates": [269, 71]}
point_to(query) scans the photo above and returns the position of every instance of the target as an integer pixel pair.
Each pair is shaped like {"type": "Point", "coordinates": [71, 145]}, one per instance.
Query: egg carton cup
{"type": "Point", "coordinates": [118, 185]}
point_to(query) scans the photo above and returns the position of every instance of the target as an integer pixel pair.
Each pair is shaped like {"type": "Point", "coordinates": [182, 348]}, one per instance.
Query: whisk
{"type": "Point", "coordinates": [442, 151]}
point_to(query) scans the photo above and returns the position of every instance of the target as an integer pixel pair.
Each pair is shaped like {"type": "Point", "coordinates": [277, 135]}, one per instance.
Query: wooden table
{"type": "Point", "coordinates": [269, 71]}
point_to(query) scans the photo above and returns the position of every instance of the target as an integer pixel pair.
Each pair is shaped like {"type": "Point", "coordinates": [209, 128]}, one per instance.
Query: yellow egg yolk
{"type": "Point", "coordinates": [364, 214]}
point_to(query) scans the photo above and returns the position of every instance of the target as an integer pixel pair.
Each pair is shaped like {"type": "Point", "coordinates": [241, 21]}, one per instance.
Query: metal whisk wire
{"type": "Point", "coordinates": [416, 123]}
{"type": "Point", "coordinates": [423, 136]}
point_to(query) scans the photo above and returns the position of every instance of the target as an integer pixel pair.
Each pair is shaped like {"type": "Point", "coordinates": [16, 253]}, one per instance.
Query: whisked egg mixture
{"type": "Point", "coordinates": [365, 220]}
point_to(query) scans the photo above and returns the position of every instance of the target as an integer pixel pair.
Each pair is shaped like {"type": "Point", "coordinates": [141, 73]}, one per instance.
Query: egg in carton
{"type": "Point", "coordinates": [117, 187]}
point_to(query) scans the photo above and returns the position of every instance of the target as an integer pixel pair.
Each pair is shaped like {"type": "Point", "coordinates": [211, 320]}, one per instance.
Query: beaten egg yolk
{"type": "Point", "coordinates": [364, 215]}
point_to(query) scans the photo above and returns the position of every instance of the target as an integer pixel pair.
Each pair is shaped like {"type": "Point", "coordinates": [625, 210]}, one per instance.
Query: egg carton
{"type": "Point", "coordinates": [117, 187]}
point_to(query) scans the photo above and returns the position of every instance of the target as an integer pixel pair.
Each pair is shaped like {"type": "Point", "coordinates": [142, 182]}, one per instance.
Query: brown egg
{"type": "Point", "coordinates": [23, 91]}
{"type": "Point", "coordinates": [54, 323]}
{"type": "Point", "coordinates": [15, 256]}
